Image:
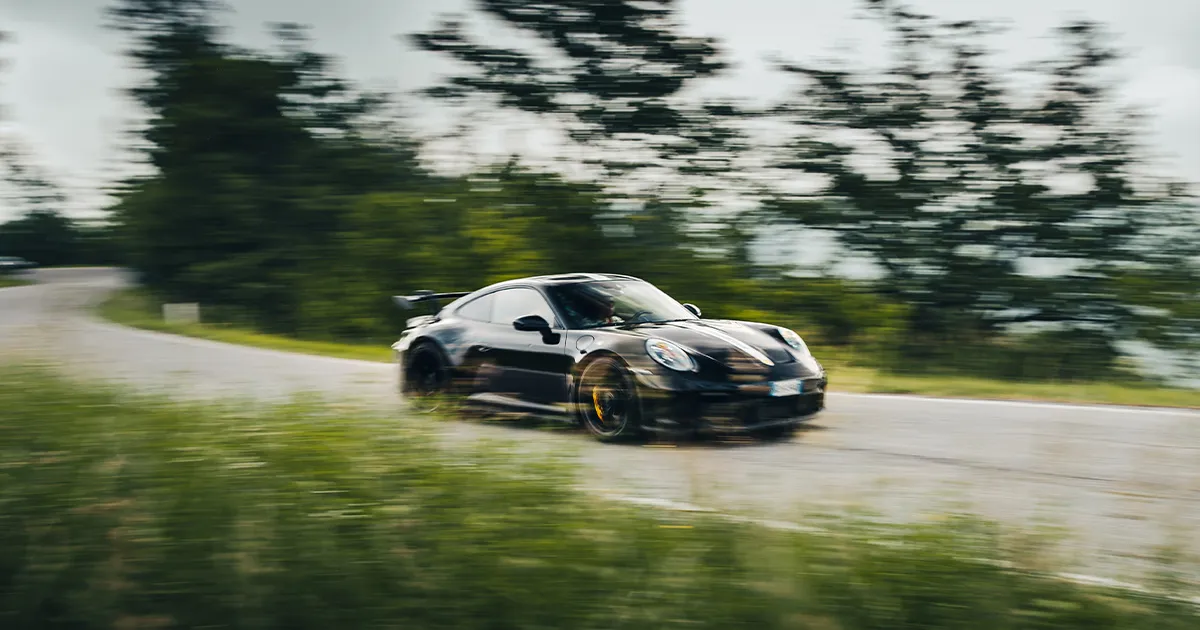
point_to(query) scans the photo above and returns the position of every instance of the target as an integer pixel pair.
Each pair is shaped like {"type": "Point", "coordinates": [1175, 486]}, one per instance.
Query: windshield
{"type": "Point", "coordinates": [605, 303]}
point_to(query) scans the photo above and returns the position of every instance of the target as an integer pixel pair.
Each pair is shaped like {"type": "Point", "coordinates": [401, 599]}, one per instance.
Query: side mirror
{"type": "Point", "coordinates": [532, 323]}
{"type": "Point", "coordinates": [693, 308]}
{"type": "Point", "coordinates": [536, 323]}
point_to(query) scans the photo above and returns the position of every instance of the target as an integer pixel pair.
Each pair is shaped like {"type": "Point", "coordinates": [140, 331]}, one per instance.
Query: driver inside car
{"type": "Point", "coordinates": [593, 308]}
{"type": "Point", "coordinates": [598, 311]}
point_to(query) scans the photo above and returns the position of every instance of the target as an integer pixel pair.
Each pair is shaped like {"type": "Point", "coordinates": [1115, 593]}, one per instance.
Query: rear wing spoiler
{"type": "Point", "coordinates": [408, 302]}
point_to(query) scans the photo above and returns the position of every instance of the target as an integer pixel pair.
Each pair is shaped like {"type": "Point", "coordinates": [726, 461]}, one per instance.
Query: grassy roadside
{"type": "Point", "coordinates": [9, 281]}
{"type": "Point", "coordinates": [133, 308]}
{"type": "Point", "coordinates": [866, 380]}
{"type": "Point", "coordinates": [122, 511]}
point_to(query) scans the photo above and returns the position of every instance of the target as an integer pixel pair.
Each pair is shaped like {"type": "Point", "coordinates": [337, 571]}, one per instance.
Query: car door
{"type": "Point", "coordinates": [531, 364]}
{"type": "Point", "coordinates": [477, 334]}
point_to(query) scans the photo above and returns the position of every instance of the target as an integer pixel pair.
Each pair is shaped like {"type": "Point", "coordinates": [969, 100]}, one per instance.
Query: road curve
{"type": "Point", "coordinates": [1123, 479]}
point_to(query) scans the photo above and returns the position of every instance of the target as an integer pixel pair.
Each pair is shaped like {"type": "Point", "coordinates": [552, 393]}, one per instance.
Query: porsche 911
{"type": "Point", "coordinates": [611, 352]}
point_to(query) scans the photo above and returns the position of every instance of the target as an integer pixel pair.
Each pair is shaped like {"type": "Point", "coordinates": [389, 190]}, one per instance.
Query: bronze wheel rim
{"type": "Point", "coordinates": [607, 403]}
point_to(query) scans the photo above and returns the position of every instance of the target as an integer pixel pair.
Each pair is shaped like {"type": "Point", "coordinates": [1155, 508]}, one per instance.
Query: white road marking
{"type": "Point", "coordinates": [1161, 411]}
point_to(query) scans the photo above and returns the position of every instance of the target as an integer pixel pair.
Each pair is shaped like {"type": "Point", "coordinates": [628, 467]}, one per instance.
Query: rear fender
{"type": "Point", "coordinates": [402, 348]}
{"type": "Point", "coordinates": [418, 321]}
{"type": "Point", "coordinates": [414, 331]}
{"type": "Point", "coordinates": [411, 338]}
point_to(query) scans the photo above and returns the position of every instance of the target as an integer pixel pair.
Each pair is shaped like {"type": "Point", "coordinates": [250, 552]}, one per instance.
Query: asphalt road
{"type": "Point", "coordinates": [1122, 479]}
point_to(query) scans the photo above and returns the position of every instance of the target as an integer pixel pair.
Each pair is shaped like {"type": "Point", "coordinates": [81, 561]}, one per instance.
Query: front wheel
{"type": "Point", "coordinates": [608, 401]}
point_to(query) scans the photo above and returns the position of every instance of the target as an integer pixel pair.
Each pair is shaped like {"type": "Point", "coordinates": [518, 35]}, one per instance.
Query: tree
{"type": "Point", "coordinates": [961, 200]}
{"type": "Point", "coordinates": [43, 236]}
{"type": "Point", "coordinates": [30, 188]}
{"type": "Point", "coordinates": [257, 158]}
{"type": "Point", "coordinates": [617, 79]}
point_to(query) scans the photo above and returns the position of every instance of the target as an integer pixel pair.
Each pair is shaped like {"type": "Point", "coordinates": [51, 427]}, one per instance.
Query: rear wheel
{"type": "Point", "coordinates": [608, 401]}
{"type": "Point", "coordinates": [425, 377]}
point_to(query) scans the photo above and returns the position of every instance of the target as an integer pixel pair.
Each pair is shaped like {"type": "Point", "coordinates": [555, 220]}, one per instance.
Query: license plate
{"type": "Point", "coordinates": [789, 387]}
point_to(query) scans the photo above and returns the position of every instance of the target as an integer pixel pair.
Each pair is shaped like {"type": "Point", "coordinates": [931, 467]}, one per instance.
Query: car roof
{"type": "Point", "coordinates": [542, 281]}
{"type": "Point", "coordinates": [562, 278]}
{"type": "Point", "coordinates": [572, 278]}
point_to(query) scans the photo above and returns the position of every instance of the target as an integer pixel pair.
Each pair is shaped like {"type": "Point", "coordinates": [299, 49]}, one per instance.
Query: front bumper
{"type": "Point", "coordinates": [725, 408]}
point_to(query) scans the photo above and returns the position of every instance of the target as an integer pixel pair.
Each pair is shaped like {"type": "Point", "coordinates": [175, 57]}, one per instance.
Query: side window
{"type": "Point", "coordinates": [514, 303]}
{"type": "Point", "coordinates": [479, 309]}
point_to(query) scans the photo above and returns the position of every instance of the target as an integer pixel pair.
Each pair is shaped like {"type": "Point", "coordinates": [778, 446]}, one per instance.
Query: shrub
{"type": "Point", "coordinates": [129, 512]}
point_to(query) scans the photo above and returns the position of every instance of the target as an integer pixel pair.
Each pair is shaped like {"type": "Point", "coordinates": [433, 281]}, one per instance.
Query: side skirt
{"type": "Point", "coordinates": [508, 403]}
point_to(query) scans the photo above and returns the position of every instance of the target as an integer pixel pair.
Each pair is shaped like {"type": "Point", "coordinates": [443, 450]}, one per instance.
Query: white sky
{"type": "Point", "coordinates": [64, 71]}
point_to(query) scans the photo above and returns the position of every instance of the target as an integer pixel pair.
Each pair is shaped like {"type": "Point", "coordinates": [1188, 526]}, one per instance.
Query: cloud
{"type": "Point", "coordinates": [60, 89]}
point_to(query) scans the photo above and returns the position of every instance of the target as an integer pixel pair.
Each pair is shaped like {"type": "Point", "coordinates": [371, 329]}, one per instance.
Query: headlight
{"type": "Point", "coordinates": [670, 355]}
{"type": "Point", "coordinates": [794, 340]}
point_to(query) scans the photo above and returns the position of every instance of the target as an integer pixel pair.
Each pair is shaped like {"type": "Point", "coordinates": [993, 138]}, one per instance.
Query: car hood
{"type": "Point", "coordinates": [724, 341]}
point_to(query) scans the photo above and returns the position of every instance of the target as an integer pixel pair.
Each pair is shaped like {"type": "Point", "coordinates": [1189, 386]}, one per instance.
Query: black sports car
{"type": "Point", "coordinates": [13, 264]}
{"type": "Point", "coordinates": [611, 352]}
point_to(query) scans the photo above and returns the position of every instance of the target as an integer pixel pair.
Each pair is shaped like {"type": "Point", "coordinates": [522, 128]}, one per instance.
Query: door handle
{"type": "Point", "coordinates": [484, 349]}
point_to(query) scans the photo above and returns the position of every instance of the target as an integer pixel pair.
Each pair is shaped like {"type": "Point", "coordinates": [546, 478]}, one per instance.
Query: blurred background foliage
{"type": "Point", "coordinates": [287, 199]}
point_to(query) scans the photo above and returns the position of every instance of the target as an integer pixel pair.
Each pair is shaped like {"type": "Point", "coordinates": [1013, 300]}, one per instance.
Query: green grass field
{"type": "Point", "coordinates": [119, 511]}
{"type": "Point", "coordinates": [10, 281]}
{"type": "Point", "coordinates": [134, 308]}
{"type": "Point", "coordinates": [856, 379]}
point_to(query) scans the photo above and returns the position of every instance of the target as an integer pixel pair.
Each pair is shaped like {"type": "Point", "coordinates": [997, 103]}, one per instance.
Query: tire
{"type": "Point", "coordinates": [607, 401]}
{"type": "Point", "coordinates": [426, 379]}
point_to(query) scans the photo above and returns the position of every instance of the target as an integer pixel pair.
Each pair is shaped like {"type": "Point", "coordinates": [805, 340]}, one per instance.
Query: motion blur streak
{"type": "Point", "coordinates": [935, 222]}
